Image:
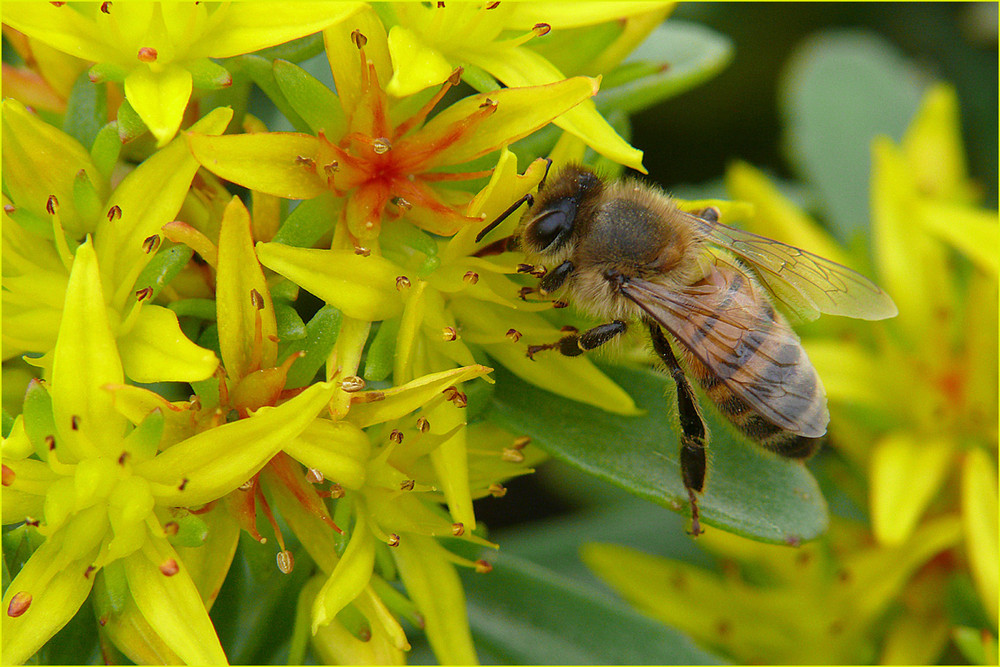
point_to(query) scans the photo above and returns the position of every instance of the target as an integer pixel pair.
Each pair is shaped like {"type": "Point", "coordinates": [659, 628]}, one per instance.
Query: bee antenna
{"type": "Point", "coordinates": [506, 214]}
{"type": "Point", "coordinates": [513, 207]}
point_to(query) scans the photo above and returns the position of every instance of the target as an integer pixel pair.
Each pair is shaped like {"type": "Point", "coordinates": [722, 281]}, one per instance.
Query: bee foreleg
{"type": "Point", "coordinates": [555, 278]}
{"type": "Point", "coordinates": [577, 343]}
{"type": "Point", "coordinates": [693, 457]}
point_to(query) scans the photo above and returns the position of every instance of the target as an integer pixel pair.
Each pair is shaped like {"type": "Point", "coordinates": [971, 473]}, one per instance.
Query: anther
{"type": "Point", "coordinates": [123, 459]}
{"type": "Point", "coordinates": [525, 268]}
{"type": "Point", "coordinates": [396, 436]}
{"type": "Point", "coordinates": [169, 567]}
{"type": "Point", "coordinates": [52, 205]}
{"type": "Point", "coordinates": [247, 485]}
{"type": "Point", "coordinates": [352, 383]}
{"type": "Point", "coordinates": [423, 425]}
{"type": "Point", "coordinates": [171, 528]}
{"type": "Point", "coordinates": [336, 491]}
{"type": "Point", "coordinates": [365, 252]}
{"type": "Point", "coordinates": [471, 277]}
{"type": "Point", "coordinates": [493, 5]}
{"type": "Point", "coordinates": [512, 456]}
{"type": "Point", "coordinates": [286, 561]}
{"type": "Point", "coordinates": [8, 475]}
{"type": "Point", "coordinates": [393, 540]}
{"type": "Point", "coordinates": [147, 54]}
{"type": "Point", "coordinates": [381, 146]}
{"type": "Point", "coordinates": [19, 604]}
{"type": "Point", "coordinates": [256, 300]}
{"type": "Point", "coordinates": [9, 208]}
{"type": "Point", "coordinates": [89, 571]}
{"type": "Point", "coordinates": [314, 476]}
{"type": "Point", "coordinates": [50, 442]}
{"type": "Point", "coordinates": [143, 294]}
{"type": "Point", "coordinates": [449, 334]}
{"type": "Point", "coordinates": [183, 484]}
{"type": "Point", "coordinates": [359, 39]}
{"type": "Point", "coordinates": [541, 29]}
{"type": "Point", "coordinates": [74, 422]}
{"type": "Point", "coordinates": [483, 567]}
{"type": "Point", "coordinates": [455, 77]}
{"type": "Point", "coordinates": [458, 529]}
{"type": "Point", "coordinates": [402, 203]}
{"type": "Point", "coordinates": [402, 282]}
{"type": "Point", "coordinates": [106, 7]}
{"type": "Point", "coordinates": [497, 490]}
{"type": "Point", "coordinates": [114, 213]}
{"type": "Point", "coordinates": [305, 162]}
{"type": "Point", "coordinates": [513, 334]}
{"type": "Point", "coordinates": [151, 243]}
{"type": "Point", "coordinates": [407, 485]}
{"type": "Point", "coordinates": [521, 442]}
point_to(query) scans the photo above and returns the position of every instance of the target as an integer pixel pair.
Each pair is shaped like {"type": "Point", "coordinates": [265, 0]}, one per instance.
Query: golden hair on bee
{"type": "Point", "coordinates": [623, 251]}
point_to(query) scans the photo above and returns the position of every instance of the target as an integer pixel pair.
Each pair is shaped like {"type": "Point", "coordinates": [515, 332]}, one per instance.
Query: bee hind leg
{"type": "Point", "coordinates": [694, 434]}
{"type": "Point", "coordinates": [577, 343]}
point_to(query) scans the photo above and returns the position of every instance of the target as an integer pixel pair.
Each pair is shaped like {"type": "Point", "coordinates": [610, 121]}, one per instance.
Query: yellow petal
{"type": "Point", "coordinates": [276, 163]}
{"type": "Point", "coordinates": [243, 299]}
{"type": "Point", "coordinates": [350, 576]}
{"type": "Point", "coordinates": [417, 65]}
{"type": "Point", "coordinates": [979, 519]}
{"type": "Point", "coordinates": [171, 603]}
{"type": "Point", "coordinates": [520, 66]}
{"type": "Point", "coordinates": [974, 232]}
{"type": "Point", "coordinates": [434, 586]}
{"type": "Point", "coordinates": [159, 98]}
{"type": "Point", "coordinates": [905, 475]}
{"type": "Point", "coordinates": [339, 450]}
{"type": "Point", "coordinates": [85, 359]}
{"type": "Point", "coordinates": [156, 350]}
{"type": "Point", "coordinates": [400, 401]}
{"type": "Point", "coordinates": [345, 60]}
{"type": "Point", "coordinates": [363, 288]}
{"type": "Point", "coordinates": [933, 146]}
{"type": "Point", "coordinates": [451, 463]}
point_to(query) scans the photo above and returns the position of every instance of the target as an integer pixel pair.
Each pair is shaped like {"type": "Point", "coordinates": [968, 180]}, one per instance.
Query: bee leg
{"type": "Point", "coordinates": [555, 278]}
{"type": "Point", "coordinates": [694, 459]}
{"type": "Point", "coordinates": [577, 343]}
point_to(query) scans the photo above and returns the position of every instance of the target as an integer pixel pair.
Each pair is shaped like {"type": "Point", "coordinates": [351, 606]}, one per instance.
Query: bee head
{"type": "Point", "coordinates": [561, 205]}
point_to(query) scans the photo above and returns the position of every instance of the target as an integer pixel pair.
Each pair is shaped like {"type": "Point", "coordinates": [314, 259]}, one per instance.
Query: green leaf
{"type": "Point", "coordinates": [289, 325]}
{"type": "Point", "coordinates": [676, 57]}
{"type": "Point", "coordinates": [749, 492]}
{"type": "Point", "coordinates": [526, 614]}
{"type": "Point", "coordinates": [841, 89]}
{"type": "Point", "coordinates": [86, 110]}
{"type": "Point", "coordinates": [130, 126]}
{"type": "Point", "coordinates": [316, 104]}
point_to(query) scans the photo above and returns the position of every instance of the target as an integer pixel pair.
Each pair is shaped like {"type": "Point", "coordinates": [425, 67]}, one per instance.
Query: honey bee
{"type": "Point", "coordinates": [623, 251]}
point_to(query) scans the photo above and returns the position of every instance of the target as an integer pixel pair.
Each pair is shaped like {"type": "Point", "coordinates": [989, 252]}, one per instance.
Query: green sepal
{"type": "Point", "coordinates": [382, 351]}
{"type": "Point", "coordinates": [163, 268]}
{"type": "Point", "coordinates": [321, 335]}
{"type": "Point", "coordinates": [106, 148]}
{"type": "Point", "coordinates": [130, 125]}
{"type": "Point", "coordinates": [208, 75]}
{"type": "Point", "coordinates": [202, 309]}
{"type": "Point", "coordinates": [86, 110]}
{"type": "Point", "coordinates": [192, 531]}
{"type": "Point", "coordinates": [308, 222]}
{"type": "Point", "coordinates": [289, 325]}
{"type": "Point", "coordinates": [39, 422]}
{"type": "Point", "coordinates": [315, 103]}
{"type": "Point", "coordinates": [261, 72]}
{"type": "Point", "coordinates": [85, 196]}
{"type": "Point", "coordinates": [144, 439]}
{"type": "Point", "coordinates": [107, 71]}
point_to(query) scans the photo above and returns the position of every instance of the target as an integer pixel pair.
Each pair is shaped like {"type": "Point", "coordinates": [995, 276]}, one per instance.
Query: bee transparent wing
{"type": "Point", "coordinates": [805, 283]}
{"type": "Point", "coordinates": [758, 358]}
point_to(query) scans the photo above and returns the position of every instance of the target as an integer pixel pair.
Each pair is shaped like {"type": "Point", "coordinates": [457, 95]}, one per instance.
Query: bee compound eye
{"type": "Point", "coordinates": [549, 230]}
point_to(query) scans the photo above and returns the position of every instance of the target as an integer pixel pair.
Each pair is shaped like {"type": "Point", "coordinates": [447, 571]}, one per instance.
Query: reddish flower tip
{"type": "Point", "coordinates": [147, 54]}
{"type": "Point", "coordinates": [19, 604]}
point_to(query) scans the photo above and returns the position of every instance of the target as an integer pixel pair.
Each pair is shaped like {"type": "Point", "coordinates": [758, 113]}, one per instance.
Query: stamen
{"type": "Point", "coordinates": [418, 118]}
{"type": "Point", "coordinates": [169, 567]}
{"type": "Point", "coordinates": [513, 334]}
{"type": "Point", "coordinates": [286, 561]}
{"type": "Point", "coordinates": [114, 213]}
{"type": "Point", "coordinates": [147, 54]}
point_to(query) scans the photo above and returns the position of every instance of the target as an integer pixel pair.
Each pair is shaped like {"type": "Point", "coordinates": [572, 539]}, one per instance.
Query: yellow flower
{"type": "Point", "coordinates": [161, 50]}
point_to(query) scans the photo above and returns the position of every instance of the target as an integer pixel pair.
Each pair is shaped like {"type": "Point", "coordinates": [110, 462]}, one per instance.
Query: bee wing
{"type": "Point", "coordinates": [759, 359]}
{"type": "Point", "coordinates": [805, 283]}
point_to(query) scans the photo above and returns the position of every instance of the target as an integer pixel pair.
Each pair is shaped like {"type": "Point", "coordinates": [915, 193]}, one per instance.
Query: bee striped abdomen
{"type": "Point", "coordinates": [765, 361]}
